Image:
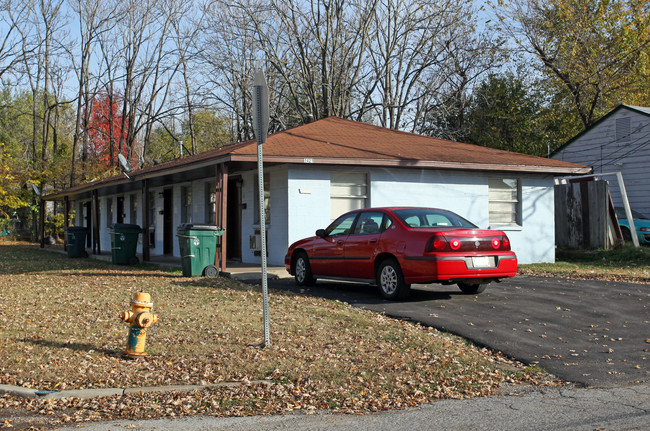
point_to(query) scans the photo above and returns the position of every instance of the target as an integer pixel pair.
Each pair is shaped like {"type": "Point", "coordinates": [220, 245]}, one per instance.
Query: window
{"type": "Point", "coordinates": [211, 199]}
{"type": "Point", "coordinates": [504, 201]}
{"type": "Point", "coordinates": [370, 223]}
{"type": "Point", "coordinates": [267, 199]}
{"type": "Point", "coordinates": [342, 225]}
{"type": "Point", "coordinates": [431, 217]}
{"type": "Point", "coordinates": [186, 205]}
{"type": "Point", "coordinates": [348, 191]}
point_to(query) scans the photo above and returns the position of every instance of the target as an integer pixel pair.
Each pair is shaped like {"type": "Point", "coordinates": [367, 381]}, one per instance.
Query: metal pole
{"type": "Point", "coordinates": [628, 211]}
{"type": "Point", "coordinates": [265, 286]}
{"type": "Point", "coordinates": [261, 126]}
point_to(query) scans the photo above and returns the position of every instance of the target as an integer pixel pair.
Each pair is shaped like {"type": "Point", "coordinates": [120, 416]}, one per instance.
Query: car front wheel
{"type": "Point", "coordinates": [302, 271]}
{"type": "Point", "coordinates": [391, 280]}
{"type": "Point", "coordinates": [472, 289]}
{"type": "Point", "coordinates": [627, 236]}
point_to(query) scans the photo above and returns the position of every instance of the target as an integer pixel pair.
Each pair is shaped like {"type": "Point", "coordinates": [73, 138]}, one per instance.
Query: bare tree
{"type": "Point", "coordinates": [14, 14]}
{"type": "Point", "coordinates": [149, 65]}
{"type": "Point", "coordinates": [228, 59]}
{"type": "Point", "coordinates": [469, 56]}
{"type": "Point", "coordinates": [94, 18]}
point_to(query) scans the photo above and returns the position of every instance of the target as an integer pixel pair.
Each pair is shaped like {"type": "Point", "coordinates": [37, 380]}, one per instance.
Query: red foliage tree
{"type": "Point", "coordinates": [105, 130]}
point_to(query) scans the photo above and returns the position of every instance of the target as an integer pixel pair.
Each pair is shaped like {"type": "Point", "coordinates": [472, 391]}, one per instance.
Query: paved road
{"type": "Point", "coordinates": [595, 333]}
{"type": "Point", "coordinates": [547, 409]}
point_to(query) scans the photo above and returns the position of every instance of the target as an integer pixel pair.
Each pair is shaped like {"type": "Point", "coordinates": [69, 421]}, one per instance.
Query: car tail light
{"type": "Point", "coordinates": [496, 243]}
{"type": "Point", "coordinates": [505, 242]}
{"type": "Point", "coordinates": [437, 242]}
{"type": "Point", "coordinates": [454, 244]}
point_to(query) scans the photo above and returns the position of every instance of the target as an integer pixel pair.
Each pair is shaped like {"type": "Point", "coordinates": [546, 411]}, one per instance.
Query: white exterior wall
{"type": "Point", "coordinates": [300, 204]}
{"type": "Point", "coordinates": [598, 148]}
{"type": "Point", "coordinates": [463, 193]}
{"type": "Point", "coordinates": [276, 228]}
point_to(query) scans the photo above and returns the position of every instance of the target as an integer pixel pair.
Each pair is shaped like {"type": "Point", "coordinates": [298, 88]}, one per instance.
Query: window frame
{"type": "Point", "coordinates": [361, 199]}
{"type": "Point", "coordinates": [515, 203]}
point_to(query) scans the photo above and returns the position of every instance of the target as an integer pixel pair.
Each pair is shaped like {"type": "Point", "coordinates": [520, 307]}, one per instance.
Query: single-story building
{"type": "Point", "coordinates": [312, 174]}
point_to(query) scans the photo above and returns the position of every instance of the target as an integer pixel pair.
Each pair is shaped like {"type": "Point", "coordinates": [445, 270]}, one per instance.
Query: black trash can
{"type": "Point", "coordinates": [124, 243]}
{"type": "Point", "coordinates": [76, 241]}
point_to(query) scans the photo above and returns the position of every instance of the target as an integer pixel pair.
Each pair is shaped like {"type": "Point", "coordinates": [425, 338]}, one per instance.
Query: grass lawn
{"type": "Point", "coordinates": [59, 329]}
{"type": "Point", "coordinates": [622, 264]}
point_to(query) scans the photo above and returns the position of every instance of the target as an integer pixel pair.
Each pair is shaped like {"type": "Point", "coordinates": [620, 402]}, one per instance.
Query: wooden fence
{"type": "Point", "coordinates": [582, 215]}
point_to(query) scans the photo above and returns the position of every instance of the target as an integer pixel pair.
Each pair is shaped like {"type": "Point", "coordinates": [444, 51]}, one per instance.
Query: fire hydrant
{"type": "Point", "coordinates": [140, 319]}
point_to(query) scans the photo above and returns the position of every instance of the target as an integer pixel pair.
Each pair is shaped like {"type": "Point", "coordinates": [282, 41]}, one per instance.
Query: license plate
{"type": "Point", "coordinates": [481, 262]}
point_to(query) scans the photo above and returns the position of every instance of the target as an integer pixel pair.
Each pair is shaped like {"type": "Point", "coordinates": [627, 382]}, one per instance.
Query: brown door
{"type": "Point", "coordinates": [89, 223]}
{"type": "Point", "coordinates": [168, 220]}
{"type": "Point", "coordinates": [120, 209]}
{"type": "Point", "coordinates": [233, 228]}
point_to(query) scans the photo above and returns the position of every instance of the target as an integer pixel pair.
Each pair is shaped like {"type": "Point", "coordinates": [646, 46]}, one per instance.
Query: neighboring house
{"type": "Point", "coordinates": [312, 174]}
{"type": "Point", "coordinates": [620, 141]}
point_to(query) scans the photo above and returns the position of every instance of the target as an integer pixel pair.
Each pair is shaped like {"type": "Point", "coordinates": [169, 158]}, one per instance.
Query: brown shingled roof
{"type": "Point", "coordinates": [338, 141]}
{"type": "Point", "coordinates": [359, 143]}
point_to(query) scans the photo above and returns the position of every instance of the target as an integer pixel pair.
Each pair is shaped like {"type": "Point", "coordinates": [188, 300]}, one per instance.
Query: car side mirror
{"type": "Point", "coordinates": [321, 233]}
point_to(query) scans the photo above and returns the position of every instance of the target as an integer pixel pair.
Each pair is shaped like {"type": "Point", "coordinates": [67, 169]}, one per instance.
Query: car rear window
{"type": "Point", "coordinates": [431, 217]}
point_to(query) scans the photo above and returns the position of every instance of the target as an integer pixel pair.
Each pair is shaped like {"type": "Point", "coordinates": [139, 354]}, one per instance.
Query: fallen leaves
{"type": "Point", "coordinates": [64, 334]}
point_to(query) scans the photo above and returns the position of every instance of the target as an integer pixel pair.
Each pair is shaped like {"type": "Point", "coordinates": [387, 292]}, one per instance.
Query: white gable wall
{"type": "Point", "coordinates": [463, 193]}
{"type": "Point", "coordinates": [598, 147]}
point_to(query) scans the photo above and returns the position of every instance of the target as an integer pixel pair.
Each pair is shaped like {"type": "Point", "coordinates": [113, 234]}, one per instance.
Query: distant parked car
{"type": "Point", "coordinates": [641, 223]}
{"type": "Point", "coordinates": [395, 247]}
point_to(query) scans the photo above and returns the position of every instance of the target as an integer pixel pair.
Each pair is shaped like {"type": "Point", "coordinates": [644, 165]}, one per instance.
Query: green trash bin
{"type": "Point", "coordinates": [76, 241]}
{"type": "Point", "coordinates": [198, 244]}
{"type": "Point", "coordinates": [124, 243]}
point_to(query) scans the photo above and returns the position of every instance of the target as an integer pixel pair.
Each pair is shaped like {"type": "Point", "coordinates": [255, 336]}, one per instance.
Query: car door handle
{"type": "Point", "coordinates": [339, 242]}
{"type": "Point", "coordinates": [372, 240]}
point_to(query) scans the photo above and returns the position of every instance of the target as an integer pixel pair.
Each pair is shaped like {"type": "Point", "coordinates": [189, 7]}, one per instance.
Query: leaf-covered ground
{"type": "Point", "coordinates": [625, 263]}
{"type": "Point", "coordinates": [59, 329]}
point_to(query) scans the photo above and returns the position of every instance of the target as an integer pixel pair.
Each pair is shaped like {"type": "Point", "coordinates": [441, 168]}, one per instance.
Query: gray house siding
{"type": "Point", "coordinates": [620, 141]}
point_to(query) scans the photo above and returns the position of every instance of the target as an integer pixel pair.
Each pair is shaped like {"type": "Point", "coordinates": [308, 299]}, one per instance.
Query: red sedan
{"type": "Point", "coordinates": [395, 247]}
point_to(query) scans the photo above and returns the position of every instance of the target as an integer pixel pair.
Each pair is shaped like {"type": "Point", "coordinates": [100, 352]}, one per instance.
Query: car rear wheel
{"type": "Point", "coordinates": [302, 271]}
{"type": "Point", "coordinates": [472, 289]}
{"type": "Point", "coordinates": [391, 280]}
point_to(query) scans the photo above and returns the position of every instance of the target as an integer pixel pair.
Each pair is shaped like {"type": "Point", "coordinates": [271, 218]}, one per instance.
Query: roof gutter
{"type": "Point", "coordinates": [137, 175]}
{"type": "Point", "coordinates": [412, 163]}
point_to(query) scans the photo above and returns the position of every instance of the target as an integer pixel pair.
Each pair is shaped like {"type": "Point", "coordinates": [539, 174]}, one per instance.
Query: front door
{"type": "Point", "coordinates": [233, 229]}
{"type": "Point", "coordinates": [120, 209]}
{"type": "Point", "coordinates": [89, 223]}
{"type": "Point", "coordinates": [168, 221]}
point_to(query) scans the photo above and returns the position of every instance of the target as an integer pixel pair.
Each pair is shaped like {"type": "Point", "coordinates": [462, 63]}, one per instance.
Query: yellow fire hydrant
{"type": "Point", "coordinates": [140, 319]}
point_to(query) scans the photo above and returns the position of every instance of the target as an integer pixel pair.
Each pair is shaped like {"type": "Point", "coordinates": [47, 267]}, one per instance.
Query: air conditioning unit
{"type": "Point", "coordinates": [255, 242]}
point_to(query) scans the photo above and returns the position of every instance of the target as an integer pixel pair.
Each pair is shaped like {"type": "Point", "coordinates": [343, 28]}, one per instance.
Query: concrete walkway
{"type": "Point", "coordinates": [540, 409]}
{"type": "Point", "coordinates": [235, 270]}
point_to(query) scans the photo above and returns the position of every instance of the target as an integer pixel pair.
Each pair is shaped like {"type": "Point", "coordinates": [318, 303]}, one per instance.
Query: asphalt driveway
{"type": "Point", "coordinates": [596, 333]}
